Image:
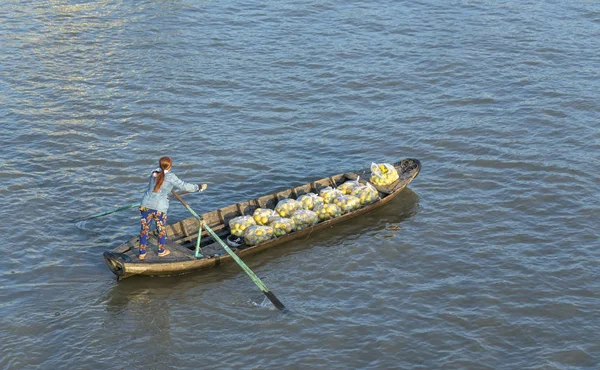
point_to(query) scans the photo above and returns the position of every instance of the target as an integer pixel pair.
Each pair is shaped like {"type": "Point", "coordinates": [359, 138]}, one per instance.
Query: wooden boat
{"type": "Point", "coordinates": [182, 236]}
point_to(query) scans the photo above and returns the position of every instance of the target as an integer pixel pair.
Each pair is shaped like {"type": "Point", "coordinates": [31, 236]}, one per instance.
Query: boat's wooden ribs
{"type": "Point", "coordinates": [285, 194]}
{"type": "Point", "coordinates": [313, 187]}
{"type": "Point", "coordinates": [229, 212]}
{"type": "Point", "coordinates": [320, 184]}
{"type": "Point", "coordinates": [247, 208]}
{"type": "Point", "coordinates": [184, 230]}
{"type": "Point", "coordinates": [220, 214]}
{"type": "Point", "coordinates": [303, 189]}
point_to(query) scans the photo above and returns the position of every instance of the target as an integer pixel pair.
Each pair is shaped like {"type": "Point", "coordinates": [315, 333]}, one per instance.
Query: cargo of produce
{"type": "Point", "coordinates": [258, 234]}
{"type": "Point", "coordinates": [287, 207]}
{"type": "Point", "coordinates": [349, 186]}
{"type": "Point", "coordinates": [282, 225]}
{"type": "Point", "coordinates": [347, 203]}
{"type": "Point", "coordinates": [309, 201]}
{"type": "Point", "coordinates": [239, 224]}
{"type": "Point", "coordinates": [383, 174]}
{"type": "Point", "coordinates": [327, 211]}
{"type": "Point", "coordinates": [367, 194]}
{"type": "Point", "coordinates": [329, 194]}
{"type": "Point", "coordinates": [304, 218]}
{"type": "Point", "coordinates": [263, 215]}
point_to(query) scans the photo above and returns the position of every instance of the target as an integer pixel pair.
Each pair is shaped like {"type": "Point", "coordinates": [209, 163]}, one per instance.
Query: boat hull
{"type": "Point", "coordinates": [122, 261]}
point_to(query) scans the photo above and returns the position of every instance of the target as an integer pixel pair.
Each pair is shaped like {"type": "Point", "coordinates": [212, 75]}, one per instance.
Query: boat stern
{"type": "Point", "coordinates": [116, 263]}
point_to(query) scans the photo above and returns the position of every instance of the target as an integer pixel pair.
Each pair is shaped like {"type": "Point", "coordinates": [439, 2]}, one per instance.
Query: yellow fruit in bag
{"type": "Point", "coordinates": [327, 211]}
{"type": "Point", "coordinates": [309, 201]}
{"type": "Point", "coordinates": [258, 234]}
{"type": "Point", "coordinates": [287, 207]}
{"type": "Point", "coordinates": [329, 194]}
{"type": "Point", "coordinates": [304, 218]}
{"type": "Point", "coordinates": [347, 203]}
{"type": "Point", "coordinates": [348, 186]}
{"type": "Point", "coordinates": [282, 226]}
{"type": "Point", "coordinates": [261, 215]}
{"type": "Point", "coordinates": [238, 225]}
{"type": "Point", "coordinates": [383, 174]}
{"type": "Point", "coordinates": [367, 194]}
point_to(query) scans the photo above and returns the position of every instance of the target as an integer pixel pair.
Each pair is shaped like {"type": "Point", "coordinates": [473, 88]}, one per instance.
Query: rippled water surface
{"type": "Point", "coordinates": [489, 260]}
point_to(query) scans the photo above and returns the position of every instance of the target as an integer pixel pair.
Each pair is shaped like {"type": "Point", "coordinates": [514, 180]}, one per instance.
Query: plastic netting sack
{"type": "Point", "coordinates": [262, 215]}
{"type": "Point", "coordinates": [287, 207]}
{"type": "Point", "coordinates": [282, 225]}
{"type": "Point", "coordinates": [349, 186]}
{"type": "Point", "coordinates": [347, 203]}
{"type": "Point", "coordinates": [326, 211]}
{"type": "Point", "coordinates": [305, 218]}
{"type": "Point", "coordinates": [329, 194]}
{"type": "Point", "coordinates": [309, 201]}
{"type": "Point", "coordinates": [239, 224]}
{"type": "Point", "coordinates": [258, 234]}
{"type": "Point", "coordinates": [367, 194]}
{"type": "Point", "coordinates": [383, 174]}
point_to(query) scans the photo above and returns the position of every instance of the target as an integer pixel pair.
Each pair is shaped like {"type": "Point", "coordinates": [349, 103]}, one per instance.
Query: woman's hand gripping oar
{"type": "Point", "coordinates": [276, 302]}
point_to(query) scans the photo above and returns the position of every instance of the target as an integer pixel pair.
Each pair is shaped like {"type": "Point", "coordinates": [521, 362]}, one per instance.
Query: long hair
{"type": "Point", "coordinates": [165, 164]}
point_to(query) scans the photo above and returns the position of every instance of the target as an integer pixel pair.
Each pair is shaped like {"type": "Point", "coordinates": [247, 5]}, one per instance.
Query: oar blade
{"type": "Point", "coordinates": [276, 302]}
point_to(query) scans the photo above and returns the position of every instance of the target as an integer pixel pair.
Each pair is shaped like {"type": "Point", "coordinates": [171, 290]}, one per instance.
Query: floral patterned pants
{"type": "Point", "coordinates": [160, 218]}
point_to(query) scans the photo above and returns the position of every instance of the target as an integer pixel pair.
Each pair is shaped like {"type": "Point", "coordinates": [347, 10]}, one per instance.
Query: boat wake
{"type": "Point", "coordinates": [82, 225]}
{"type": "Point", "coordinates": [264, 304]}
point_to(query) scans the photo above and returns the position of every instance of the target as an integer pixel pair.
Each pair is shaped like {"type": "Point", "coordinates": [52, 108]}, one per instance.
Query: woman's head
{"type": "Point", "coordinates": [165, 164]}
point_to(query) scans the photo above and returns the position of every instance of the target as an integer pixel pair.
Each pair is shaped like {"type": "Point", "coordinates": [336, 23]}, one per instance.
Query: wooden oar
{"type": "Point", "coordinates": [276, 302]}
{"type": "Point", "coordinates": [100, 214]}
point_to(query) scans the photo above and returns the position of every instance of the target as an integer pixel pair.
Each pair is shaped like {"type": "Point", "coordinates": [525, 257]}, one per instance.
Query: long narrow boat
{"type": "Point", "coordinates": [182, 236]}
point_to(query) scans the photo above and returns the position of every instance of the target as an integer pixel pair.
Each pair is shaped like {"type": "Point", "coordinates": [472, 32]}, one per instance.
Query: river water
{"type": "Point", "coordinates": [489, 260]}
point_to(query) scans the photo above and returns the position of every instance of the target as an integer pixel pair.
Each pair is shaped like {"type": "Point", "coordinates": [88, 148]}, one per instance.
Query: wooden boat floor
{"type": "Point", "coordinates": [178, 252]}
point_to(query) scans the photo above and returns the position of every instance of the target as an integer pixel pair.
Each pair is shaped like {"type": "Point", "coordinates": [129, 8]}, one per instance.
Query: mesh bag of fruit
{"type": "Point", "coordinates": [347, 203]}
{"type": "Point", "coordinates": [367, 194]}
{"type": "Point", "coordinates": [282, 225]}
{"type": "Point", "coordinates": [239, 224]}
{"type": "Point", "coordinates": [329, 194]}
{"type": "Point", "coordinates": [349, 186]}
{"type": "Point", "coordinates": [326, 211]}
{"type": "Point", "coordinates": [262, 215]}
{"type": "Point", "coordinates": [258, 234]}
{"type": "Point", "coordinates": [383, 174]}
{"type": "Point", "coordinates": [287, 207]}
{"type": "Point", "coordinates": [309, 201]}
{"type": "Point", "coordinates": [304, 218]}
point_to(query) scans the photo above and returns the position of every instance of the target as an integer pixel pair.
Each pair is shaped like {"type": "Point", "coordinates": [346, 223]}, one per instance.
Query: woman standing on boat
{"type": "Point", "coordinates": [155, 203]}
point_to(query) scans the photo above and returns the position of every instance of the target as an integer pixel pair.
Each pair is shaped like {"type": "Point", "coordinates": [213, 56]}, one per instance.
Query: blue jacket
{"type": "Point", "coordinates": [159, 200]}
